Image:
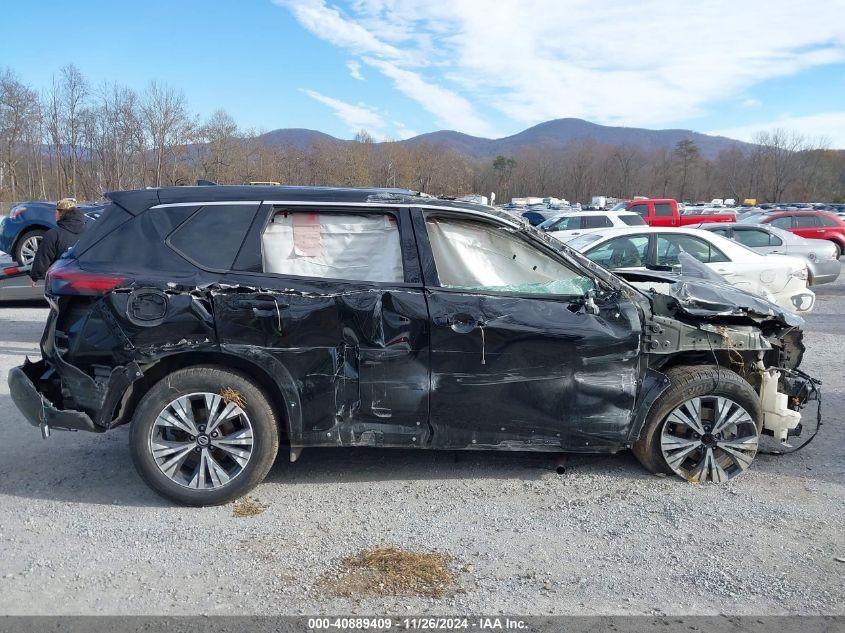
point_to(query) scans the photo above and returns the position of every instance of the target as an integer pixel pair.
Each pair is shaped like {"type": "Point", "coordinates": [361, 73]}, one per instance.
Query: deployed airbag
{"type": "Point", "coordinates": [333, 246]}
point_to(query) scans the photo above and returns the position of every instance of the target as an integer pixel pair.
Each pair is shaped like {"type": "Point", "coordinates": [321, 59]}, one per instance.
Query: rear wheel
{"type": "Point", "coordinates": [204, 436]}
{"type": "Point", "coordinates": [27, 246]}
{"type": "Point", "coordinates": [705, 427]}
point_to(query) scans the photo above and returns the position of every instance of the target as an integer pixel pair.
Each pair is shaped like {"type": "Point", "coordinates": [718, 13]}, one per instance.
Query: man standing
{"type": "Point", "coordinates": [71, 225]}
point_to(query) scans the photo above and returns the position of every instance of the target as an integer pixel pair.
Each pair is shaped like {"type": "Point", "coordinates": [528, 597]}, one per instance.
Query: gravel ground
{"type": "Point", "coordinates": [80, 533]}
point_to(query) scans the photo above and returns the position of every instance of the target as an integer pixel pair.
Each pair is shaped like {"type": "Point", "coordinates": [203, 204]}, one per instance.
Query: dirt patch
{"type": "Point", "coordinates": [390, 571]}
{"type": "Point", "coordinates": [248, 507]}
{"type": "Point", "coordinates": [233, 395]}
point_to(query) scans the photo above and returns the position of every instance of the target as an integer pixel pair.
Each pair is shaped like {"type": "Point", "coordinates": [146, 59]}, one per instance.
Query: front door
{"type": "Point", "coordinates": [522, 356]}
{"type": "Point", "coordinates": [338, 307]}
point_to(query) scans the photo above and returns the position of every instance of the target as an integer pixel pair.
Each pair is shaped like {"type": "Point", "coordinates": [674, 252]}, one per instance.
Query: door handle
{"type": "Point", "coordinates": [460, 323]}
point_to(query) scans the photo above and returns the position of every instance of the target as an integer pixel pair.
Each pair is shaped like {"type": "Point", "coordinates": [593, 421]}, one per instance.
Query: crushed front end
{"type": "Point", "coordinates": [698, 319]}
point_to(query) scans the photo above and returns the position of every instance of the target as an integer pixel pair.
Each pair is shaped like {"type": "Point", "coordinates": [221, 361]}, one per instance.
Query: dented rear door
{"type": "Point", "coordinates": [354, 351]}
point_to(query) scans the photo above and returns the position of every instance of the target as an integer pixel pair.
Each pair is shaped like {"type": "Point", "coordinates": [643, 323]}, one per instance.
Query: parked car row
{"type": "Point", "coordinates": [776, 254]}
{"type": "Point", "coordinates": [780, 279]}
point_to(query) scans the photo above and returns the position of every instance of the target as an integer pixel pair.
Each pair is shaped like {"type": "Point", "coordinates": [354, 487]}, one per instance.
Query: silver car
{"type": "Point", "coordinates": [821, 257]}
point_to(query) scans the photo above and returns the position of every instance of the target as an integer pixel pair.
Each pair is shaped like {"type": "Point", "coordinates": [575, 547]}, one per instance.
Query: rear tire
{"type": "Point", "coordinates": [27, 246]}
{"type": "Point", "coordinates": [196, 448]}
{"type": "Point", "coordinates": [670, 443]}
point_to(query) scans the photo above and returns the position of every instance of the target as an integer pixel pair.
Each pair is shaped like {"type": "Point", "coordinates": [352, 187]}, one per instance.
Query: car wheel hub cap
{"type": "Point", "coordinates": [29, 248]}
{"type": "Point", "coordinates": [201, 441]}
{"type": "Point", "coordinates": [709, 438]}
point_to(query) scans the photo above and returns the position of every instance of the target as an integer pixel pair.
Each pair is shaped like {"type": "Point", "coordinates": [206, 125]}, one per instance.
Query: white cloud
{"type": "Point", "coordinates": [752, 103]}
{"type": "Point", "coordinates": [355, 70]}
{"type": "Point", "coordinates": [648, 63]}
{"type": "Point", "coordinates": [452, 110]}
{"type": "Point", "coordinates": [828, 127]}
{"type": "Point", "coordinates": [356, 117]}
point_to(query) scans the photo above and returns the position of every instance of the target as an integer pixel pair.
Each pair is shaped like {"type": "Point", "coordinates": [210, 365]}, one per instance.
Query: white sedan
{"type": "Point", "coordinates": [565, 226]}
{"type": "Point", "coordinates": [778, 278]}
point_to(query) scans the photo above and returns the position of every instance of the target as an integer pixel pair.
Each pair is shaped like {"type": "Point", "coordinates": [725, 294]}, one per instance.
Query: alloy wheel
{"type": "Point", "coordinates": [202, 441]}
{"type": "Point", "coordinates": [29, 247]}
{"type": "Point", "coordinates": [709, 438]}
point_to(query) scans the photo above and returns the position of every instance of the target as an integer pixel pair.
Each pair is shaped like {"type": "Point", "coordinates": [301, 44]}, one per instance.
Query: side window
{"type": "Point", "coordinates": [641, 209]}
{"type": "Point", "coordinates": [806, 222]}
{"type": "Point", "coordinates": [572, 223]}
{"type": "Point", "coordinates": [827, 221]}
{"type": "Point", "coordinates": [354, 247]}
{"type": "Point", "coordinates": [669, 246]}
{"type": "Point", "coordinates": [724, 233]}
{"type": "Point", "coordinates": [479, 256]}
{"type": "Point", "coordinates": [752, 237]}
{"type": "Point", "coordinates": [663, 209]}
{"type": "Point", "coordinates": [782, 222]}
{"type": "Point", "coordinates": [213, 235]}
{"type": "Point", "coordinates": [628, 251]}
{"type": "Point", "coordinates": [595, 221]}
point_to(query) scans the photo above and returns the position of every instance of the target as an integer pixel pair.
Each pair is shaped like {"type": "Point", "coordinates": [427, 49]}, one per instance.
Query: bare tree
{"type": "Point", "coordinates": [166, 123]}
{"type": "Point", "coordinates": [19, 114]}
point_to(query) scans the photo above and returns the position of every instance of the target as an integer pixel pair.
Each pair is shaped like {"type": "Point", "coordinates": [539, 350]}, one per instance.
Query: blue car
{"type": "Point", "coordinates": [21, 231]}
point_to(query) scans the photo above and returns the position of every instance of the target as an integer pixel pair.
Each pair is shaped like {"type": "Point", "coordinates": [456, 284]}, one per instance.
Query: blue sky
{"type": "Point", "coordinates": [401, 67]}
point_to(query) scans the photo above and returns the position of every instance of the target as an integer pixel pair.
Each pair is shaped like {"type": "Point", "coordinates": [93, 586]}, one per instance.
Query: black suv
{"type": "Point", "coordinates": [225, 321]}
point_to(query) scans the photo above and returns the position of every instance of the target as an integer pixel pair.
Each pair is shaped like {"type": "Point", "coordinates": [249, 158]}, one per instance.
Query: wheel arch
{"type": "Point", "coordinates": [27, 228]}
{"type": "Point", "coordinates": [268, 373]}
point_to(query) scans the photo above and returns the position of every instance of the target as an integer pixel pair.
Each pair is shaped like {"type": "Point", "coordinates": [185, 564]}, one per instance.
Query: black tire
{"type": "Point", "coordinates": [18, 254]}
{"type": "Point", "coordinates": [687, 382]}
{"type": "Point", "coordinates": [210, 379]}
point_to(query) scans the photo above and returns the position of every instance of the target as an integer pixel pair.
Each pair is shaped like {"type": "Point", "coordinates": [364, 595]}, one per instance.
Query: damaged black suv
{"type": "Point", "coordinates": [223, 322]}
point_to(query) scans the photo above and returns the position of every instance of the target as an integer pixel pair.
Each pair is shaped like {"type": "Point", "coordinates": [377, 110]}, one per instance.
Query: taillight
{"type": "Point", "coordinates": [65, 277]}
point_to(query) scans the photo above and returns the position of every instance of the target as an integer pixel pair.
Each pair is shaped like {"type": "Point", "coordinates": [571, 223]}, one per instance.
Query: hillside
{"type": "Point", "coordinates": [551, 135]}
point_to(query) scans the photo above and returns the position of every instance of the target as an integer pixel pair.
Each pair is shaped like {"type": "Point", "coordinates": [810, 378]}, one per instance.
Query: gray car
{"type": "Point", "coordinates": [821, 257]}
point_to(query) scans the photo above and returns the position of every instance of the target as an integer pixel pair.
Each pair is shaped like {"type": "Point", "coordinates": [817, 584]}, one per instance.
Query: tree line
{"type": "Point", "coordinates": [76, 139]}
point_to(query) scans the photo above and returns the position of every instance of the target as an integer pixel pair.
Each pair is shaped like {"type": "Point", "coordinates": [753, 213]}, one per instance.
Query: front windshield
{"type": "Point", "coordinates": [545, 226]}
{"type": "Point", "coordinates": [620, 206]}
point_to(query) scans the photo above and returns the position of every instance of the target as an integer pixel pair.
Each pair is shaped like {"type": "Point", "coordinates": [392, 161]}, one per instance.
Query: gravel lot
{"type": "Point", "coordinates": [80, 533]}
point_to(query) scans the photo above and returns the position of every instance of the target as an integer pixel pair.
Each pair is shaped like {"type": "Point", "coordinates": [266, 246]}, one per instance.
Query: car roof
{"type": "Point", "coordinates": [138, 200]}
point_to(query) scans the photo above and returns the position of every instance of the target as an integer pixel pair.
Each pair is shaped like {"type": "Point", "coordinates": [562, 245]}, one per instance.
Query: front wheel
{"type": "Point", "coordinates": [704, 427]}
{"type": "Point", "coordinates": [204, 436]}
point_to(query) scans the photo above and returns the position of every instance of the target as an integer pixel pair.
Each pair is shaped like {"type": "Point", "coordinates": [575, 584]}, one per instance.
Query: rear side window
{"type": "Point", "coordinates": [752, 238]}
{"type": "Point", "coordinates": [670, 245]}
{"type": "Point", "coordinates": [212, 237]}
{"type": "Point", "coordinates": [596, 221]}
{"type": "Point", "coordinates": [805, 221]}
{"type": "Point", "coordinates": [632, 220]}
{"type": "Point", "coordinates": [353, 247]}
{"type": "Point", "coordinates": [663, 209]}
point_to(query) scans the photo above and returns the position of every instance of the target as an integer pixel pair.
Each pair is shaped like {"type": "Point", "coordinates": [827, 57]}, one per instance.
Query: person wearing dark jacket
{"type": "Point", "coordinates": [70, 226]}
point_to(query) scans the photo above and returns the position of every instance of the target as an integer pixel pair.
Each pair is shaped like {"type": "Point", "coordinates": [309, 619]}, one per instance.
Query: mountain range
{"type": "Point", "coordinates": [551, 135]}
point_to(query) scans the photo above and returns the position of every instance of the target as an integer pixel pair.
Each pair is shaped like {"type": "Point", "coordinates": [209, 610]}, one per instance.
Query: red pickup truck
{"type": "Point", "coordinates": [665, 212]}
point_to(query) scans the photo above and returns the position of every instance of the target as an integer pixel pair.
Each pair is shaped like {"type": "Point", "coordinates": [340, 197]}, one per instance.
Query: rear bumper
{"type": "Point", "coordinates": [826, 271]}
{"type": "Point", "coordinates": [37, 409]}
